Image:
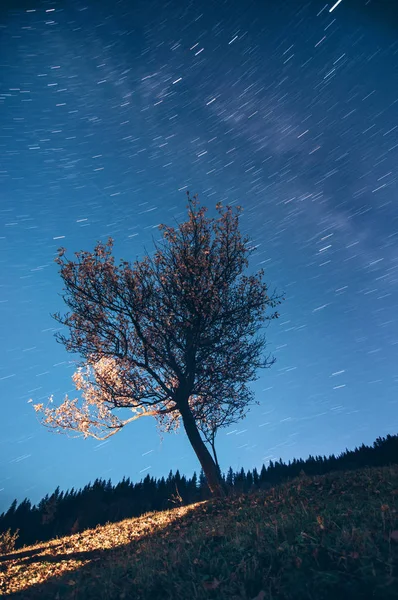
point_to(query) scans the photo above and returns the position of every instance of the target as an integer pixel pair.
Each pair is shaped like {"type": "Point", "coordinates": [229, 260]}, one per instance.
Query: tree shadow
{"type": "Point", "coordinates": [32, 556]}
{"type": "Point", "coordinates": [22, 553]}
{"type": "Point", "coordinates": [110, 572]}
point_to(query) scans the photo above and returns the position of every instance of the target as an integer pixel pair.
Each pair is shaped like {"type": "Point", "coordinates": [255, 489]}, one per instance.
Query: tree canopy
{"type": "Point", "coordinates": [177, 336]}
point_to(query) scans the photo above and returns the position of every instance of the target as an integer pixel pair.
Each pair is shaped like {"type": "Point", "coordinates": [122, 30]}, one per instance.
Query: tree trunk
{"type": "Point", "coordinates": [205, 458]}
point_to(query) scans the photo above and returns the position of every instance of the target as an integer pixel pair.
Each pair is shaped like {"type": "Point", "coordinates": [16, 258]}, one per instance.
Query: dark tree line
{"type": "Point", "coordinates": [100, 502]}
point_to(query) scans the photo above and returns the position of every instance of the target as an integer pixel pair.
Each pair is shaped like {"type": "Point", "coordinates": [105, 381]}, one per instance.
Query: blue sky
{"type": "Point", "coordinates": [109, 114]}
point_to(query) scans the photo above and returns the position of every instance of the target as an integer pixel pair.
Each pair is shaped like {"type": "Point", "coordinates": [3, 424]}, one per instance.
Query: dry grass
{"type": "Point", "coordinates": [334, 536]}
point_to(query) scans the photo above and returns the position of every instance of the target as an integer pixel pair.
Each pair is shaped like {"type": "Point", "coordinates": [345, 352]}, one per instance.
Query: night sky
{"type": "Point", "coordinates": [110, 112]}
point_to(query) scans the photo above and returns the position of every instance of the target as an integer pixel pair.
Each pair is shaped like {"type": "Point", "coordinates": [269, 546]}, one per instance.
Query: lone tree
{"type": "Point", "coordinates": [175, 336]}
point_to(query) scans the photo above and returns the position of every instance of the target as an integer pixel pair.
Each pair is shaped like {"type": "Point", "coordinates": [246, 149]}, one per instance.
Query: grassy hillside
{"type": "Point", "coordinates": [333, 536]}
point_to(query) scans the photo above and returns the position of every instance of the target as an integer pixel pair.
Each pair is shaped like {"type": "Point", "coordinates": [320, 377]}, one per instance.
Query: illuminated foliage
{"type": "Point", "coordinates": [175, 336]}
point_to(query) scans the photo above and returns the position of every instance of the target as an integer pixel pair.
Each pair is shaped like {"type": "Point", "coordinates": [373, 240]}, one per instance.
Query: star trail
{"type": "Point", "coordinates": [110, 112]}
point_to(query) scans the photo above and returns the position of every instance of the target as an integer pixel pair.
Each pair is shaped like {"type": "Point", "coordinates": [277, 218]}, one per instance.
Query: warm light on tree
{"type": "Point", "coordinates": [175, 337]}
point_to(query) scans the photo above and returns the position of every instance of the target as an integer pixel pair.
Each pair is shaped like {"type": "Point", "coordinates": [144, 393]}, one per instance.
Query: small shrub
{"type": "Point", "coordinates": [7, 541]}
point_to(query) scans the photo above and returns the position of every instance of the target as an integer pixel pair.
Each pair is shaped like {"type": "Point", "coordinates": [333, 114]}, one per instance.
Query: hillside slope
{"type": "Point", "coordinates": [316, 538]}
